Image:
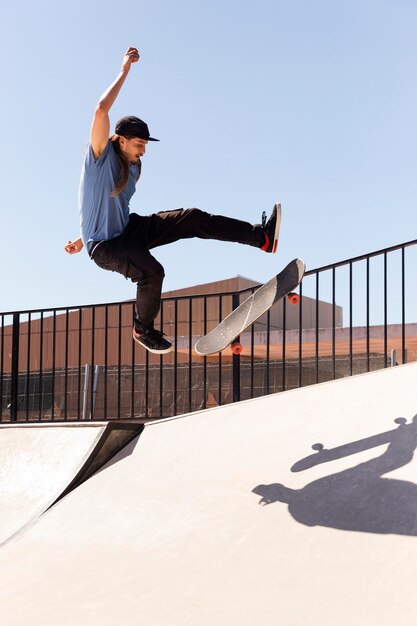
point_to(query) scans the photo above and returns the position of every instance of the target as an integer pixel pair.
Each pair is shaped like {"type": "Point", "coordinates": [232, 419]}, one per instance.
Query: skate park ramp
{"type": "Point", "coordinates": [295, 509]}
{"type": "Point", "coordinates": [41, 462]}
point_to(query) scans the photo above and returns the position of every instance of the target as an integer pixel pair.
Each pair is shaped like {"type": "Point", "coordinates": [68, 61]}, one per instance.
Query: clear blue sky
{"type": "Point", "coordinates": [312, 103]}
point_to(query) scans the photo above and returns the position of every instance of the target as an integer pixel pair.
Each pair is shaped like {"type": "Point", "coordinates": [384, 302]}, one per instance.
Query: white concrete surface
{"type": "Point", "coordinates": [37, 463]}
{"type": "Point", "coordinates": [205, 522]}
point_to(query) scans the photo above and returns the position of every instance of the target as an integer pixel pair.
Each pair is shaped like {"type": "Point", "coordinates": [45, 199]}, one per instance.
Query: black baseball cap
{"type": "Point", "coordinates": [133, 127]}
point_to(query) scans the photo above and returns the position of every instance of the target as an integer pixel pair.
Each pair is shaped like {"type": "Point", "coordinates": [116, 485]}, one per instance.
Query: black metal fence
{"type": "Point", "coordinates": [76, 363]}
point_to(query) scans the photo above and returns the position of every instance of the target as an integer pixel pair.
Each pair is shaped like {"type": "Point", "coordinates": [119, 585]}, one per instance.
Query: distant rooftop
{"type": "Point", "coordinates": [227, 284]}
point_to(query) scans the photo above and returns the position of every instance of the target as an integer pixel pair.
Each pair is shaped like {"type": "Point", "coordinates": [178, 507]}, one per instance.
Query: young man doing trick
{"type": "Point", "coordinates": [121, 241]}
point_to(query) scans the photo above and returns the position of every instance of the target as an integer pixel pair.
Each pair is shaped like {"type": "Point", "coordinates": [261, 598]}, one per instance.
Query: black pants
{"type": "Point", "coordinates": [129, 253]}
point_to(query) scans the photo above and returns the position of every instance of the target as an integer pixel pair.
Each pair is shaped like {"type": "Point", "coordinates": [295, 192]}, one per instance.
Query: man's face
{"type": "Point", "coordinates": [133, 149]}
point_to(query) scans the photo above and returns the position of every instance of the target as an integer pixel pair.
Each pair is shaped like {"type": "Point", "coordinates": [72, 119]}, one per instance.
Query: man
{"type": "Point", "coordinates": [120, 241]}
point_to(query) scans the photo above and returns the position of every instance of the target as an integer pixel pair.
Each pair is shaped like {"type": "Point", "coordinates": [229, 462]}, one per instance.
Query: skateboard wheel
{"type": "Point", "coordinates": [236, 348]}
{"type": "Point", "coordinates": [294, 298]}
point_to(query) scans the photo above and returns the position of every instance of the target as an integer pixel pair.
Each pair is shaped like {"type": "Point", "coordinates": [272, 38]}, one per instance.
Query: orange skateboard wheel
{"type": "Point", "coordinates": [294, 298]}
{"type": "Point", "coordinates": [236, 348]}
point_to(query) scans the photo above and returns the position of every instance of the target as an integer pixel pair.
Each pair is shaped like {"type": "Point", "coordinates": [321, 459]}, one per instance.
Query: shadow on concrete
{"type": "Point", "coordinates": [357, 499]}
{"type": "Point", "coordinates": [121, 454]}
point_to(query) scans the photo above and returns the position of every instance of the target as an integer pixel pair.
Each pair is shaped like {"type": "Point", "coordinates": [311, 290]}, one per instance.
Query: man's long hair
{"type": "Point", "coordinates": [124, 167]}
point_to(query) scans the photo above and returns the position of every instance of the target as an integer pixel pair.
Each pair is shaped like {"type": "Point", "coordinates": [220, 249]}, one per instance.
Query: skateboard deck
{"type": "Point", "coordinates": [248, 312]}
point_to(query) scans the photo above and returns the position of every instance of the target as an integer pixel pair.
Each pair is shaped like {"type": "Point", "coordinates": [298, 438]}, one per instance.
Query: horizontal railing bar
{"type": "Point", "coordinates": [211, 294]}
{"type": "Point", "coordinates": [362, 257]}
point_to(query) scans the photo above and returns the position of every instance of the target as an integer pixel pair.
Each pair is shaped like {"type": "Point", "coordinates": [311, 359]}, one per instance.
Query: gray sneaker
{"type": "Point", "coordinates": [153, 340]}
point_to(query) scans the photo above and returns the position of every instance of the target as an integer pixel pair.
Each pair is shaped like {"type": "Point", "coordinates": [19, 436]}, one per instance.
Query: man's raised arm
{"type": "Point", "coordinates": [100, 128]}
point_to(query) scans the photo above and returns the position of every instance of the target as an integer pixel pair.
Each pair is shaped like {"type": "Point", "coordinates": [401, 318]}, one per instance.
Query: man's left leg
{"type": "Point", "coordinates": [169, 226]}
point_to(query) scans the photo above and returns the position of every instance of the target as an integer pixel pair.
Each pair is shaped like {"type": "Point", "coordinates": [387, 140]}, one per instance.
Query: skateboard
{"type": "Point", "coordinates": [251, 309]}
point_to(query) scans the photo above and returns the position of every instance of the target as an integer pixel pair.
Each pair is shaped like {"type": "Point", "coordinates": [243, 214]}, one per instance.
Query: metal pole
{"type": "Point", "coordinates": [236, 359]}
{"type": "Point", "coordinates": [15, 368]}
{"type": "Point", "coordinates": [85, 395]}
{"type": "Point", "coordinates": [95, 385]}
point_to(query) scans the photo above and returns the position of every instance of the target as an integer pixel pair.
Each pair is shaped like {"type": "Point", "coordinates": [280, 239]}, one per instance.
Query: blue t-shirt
{"type": "Point", "coordinates": [103, 216]}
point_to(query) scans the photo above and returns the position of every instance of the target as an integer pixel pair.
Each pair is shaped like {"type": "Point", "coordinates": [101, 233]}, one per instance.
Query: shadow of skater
{"type": "Point", "coordinates": [359, 498]}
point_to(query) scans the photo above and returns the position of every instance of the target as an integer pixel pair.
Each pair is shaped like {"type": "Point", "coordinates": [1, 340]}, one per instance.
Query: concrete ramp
{"type": "Point", "coordinates": [42, 462]}
{"type": "Point", "coordinates": [295, 509]}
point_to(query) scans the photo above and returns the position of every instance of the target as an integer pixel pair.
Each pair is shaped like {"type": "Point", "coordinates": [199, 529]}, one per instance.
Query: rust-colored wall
{"type": "Point", "coordinates": [102, 335]}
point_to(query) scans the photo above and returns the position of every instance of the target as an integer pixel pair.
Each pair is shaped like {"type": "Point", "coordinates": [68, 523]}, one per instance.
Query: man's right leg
{"type": "Point", "coordinates": [148, 274]}
{"type": "Point", "coordinates": [129, 255]}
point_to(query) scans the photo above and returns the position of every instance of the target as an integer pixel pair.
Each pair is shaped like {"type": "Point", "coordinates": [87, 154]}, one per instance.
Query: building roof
{"type": "Point", "coordinates": [235, 283]}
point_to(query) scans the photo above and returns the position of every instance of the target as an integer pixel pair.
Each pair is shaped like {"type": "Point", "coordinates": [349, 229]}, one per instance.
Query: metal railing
{"type": "Point", "coordinates": [76, 363]}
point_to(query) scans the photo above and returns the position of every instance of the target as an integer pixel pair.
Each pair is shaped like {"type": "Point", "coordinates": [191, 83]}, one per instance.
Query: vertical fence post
{"type": "Point", "coordinates": [95, 385]}
{"type": "Point", "coordinates": [236, 359]}
{"type": "Point", "coordinates": [403, 342]}
{"type": "Point", "coordinates": [85, 394]}
{"type": "Point", "coordinates": [15, 368]}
